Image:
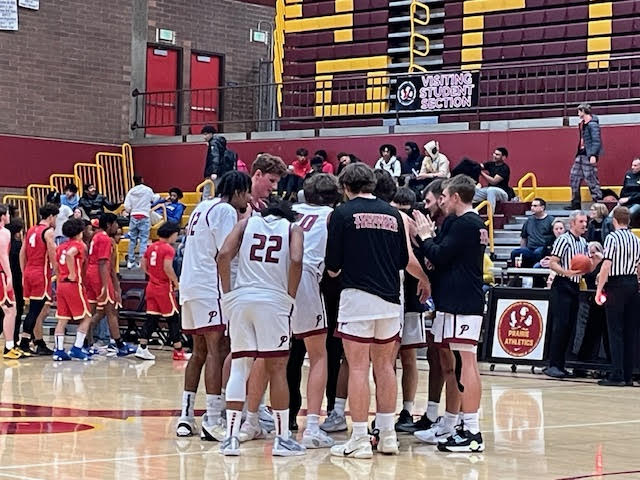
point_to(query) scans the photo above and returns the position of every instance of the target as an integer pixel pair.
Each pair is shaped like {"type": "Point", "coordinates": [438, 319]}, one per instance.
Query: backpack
{"type": "Point", "coordinates": [229, 161]}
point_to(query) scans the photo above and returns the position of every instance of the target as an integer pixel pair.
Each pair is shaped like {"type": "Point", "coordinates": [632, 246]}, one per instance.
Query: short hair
{"type": "Point", "coordinates": [541, 201]}
{"type": "Point", "coordinates": [405, 196]}
{"type": "Point", "coordinates": [73, 227]}
{"type": "Point", "coordinates": [463, 185]}
{"type": "Point", "coordinates": [137, 179]}
{"type": "Point", "coordinates": [585, 107]}
{"type": "Point", "coordinates": [358, 178]}
{"type": "Point", "coordinates": [71, 187]}
{"type": "Point", "coordinates": [343, 154]}
{"type": "Point", "coordinates": [317, 160]}
{"type": "Point", "coordinates": [208, 129]}
{"type": "Point", "coordinates": [4, 208]}
{"type": "Point", "coordinates": [601, 209]}
{"type": "Point", "coordinates": [54, 197]}
{"type": "Point", "coordinates": [303, 152]}
{"type": "Point", "coordinates": [232, 182]}
{"type": "Point", "coordinates": [280, 208]}
{"type": "Point", "coordinates": [268, 163]}
{"type": "Point", "coordinates": [386, 186]}
{"type": "Point", "coordinates": [15, 225]}
{"type": "Point", "coordinates": [575, 214]}
{"type": "Point", "coordinates": [321, 153]}
{"type": "Point", "coordinates": [47, 210]}
{"type": "Point", "coordinates": [167, 229]}
{"type": "Point", "coordinates": [621, 215]}
{"type": "Point", "coordinates": [435, 187]}
{"type": "Point", "coordinates": [503, 151]}
{"type": "Point", "coordinates": [386, 146]}
{"type": "Point", "coordinates": [321, 189]}
{"type": "Point", "coordinates": [87, 186]}
{"type": "Point", "coordinates": [177, 191]}
{"type": "Point", "coordinates": [107, 219]}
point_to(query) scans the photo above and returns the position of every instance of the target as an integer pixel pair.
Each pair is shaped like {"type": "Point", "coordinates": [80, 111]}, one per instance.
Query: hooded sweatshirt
{"type": "Point", "coordinates": [138, 201]}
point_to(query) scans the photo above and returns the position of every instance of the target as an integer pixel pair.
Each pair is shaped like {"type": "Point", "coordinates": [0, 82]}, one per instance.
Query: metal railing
{"type": "Point", "coordinates": [488, 222]}
{"type": "Point", "coordinates": [534, 187]}
{"type": "Point", "coordinates": [416, 21]}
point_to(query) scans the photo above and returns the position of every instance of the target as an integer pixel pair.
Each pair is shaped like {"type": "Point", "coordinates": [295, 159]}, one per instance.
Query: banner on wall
{"type": "Point", "coordinates": [8, 15]}
{"type": "Point", "coordinates": [438, 91]}
{"type": "Point", "coordinates": [30, 4]}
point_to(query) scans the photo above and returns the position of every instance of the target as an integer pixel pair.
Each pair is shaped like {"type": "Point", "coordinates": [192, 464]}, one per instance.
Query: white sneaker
{"type": "Point", "coordinates": [212, 431]}
{"type": "Point", "coordinates": [144, 354]}
{"type": "Point", "coordinates": [230, 446]}
{"type": "Point", "coordinates": [334, 423]}
{"type": "Point", "coordinates": [387, 442]}
{"type": "Point", "coordinates": [186, 427]}
{"type": "Point", "coordinates": [437, 433]}
{"type": "Point", "coordinates": [354, 448]}
{"type": "Point", "coordinates": [317, 439]}
{"type": "Point", "coordinates": [251, 432]}
{"type": "Point", "coordinates": [287, 447]}
{"type": "Point", "coordinates": [130, 265]}
{"type": "Point", "coordinates": [266, 418]}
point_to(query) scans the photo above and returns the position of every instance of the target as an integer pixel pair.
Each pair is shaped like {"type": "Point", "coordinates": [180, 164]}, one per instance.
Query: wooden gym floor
{"type": "Point", "coordinates": [114, 419]}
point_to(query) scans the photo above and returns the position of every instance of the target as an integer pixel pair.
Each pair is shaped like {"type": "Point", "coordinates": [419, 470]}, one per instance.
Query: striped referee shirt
{"type": "Point", "coordinates": [566, 247]}
{"type": "Point", "coordinates": [622, 248]}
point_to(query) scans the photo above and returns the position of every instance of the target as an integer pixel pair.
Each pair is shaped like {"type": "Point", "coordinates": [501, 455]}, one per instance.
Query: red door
{"type": "Point", "coordinates": [205, 96]}
{"type": "Point", "coordinates": [161, 102]}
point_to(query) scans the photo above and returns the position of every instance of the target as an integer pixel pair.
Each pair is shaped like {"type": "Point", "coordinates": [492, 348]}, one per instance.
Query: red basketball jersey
{"type": "Point", "coordinates": [99, 249]}
{"type": "Point", "coordinates": [36, 247]}
{"type": "Point", "coordinates": [155, 255]}
{"type": "Point", "coordinates": [61, 257]}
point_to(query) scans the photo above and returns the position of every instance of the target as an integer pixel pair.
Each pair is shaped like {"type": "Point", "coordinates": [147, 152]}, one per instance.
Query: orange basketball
{"type": "Point", "coordinates": [581, 263]}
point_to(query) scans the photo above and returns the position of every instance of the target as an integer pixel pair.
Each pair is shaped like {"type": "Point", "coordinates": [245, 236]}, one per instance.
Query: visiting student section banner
{"type": "Point", "coordinates": [437, 92]}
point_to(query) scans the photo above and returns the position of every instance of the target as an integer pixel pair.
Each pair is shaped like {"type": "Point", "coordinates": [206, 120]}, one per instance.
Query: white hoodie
{"type": "Point", "coordinates": [139, 200]}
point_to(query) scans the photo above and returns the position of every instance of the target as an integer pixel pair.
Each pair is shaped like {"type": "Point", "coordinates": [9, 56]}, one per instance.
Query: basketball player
{"type": "Point", "coordinates": [71, 297]}
{"type": "Point", "coordinates": [7, 295]}
{"type": "Point", "coordinates": [459, 300]}
{"type": "Point", "coordinates": [270, 252]}
{"type": "Point", "coordinates": [209, 225]}
{"type": "Point", "coordinates": [37, 258]}
{"type": "Point", "coordinates": [157, 263]}
{"type": "Point", "coordinates": [102, 284]}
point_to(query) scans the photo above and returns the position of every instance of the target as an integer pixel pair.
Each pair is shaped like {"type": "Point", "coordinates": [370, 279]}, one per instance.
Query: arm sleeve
{"type": "Point", "coordinates": [334, 256]}
{"type": "Point", "coordinates": [423, 167]}
{"type": "Point", "coordinates": [404, 251]}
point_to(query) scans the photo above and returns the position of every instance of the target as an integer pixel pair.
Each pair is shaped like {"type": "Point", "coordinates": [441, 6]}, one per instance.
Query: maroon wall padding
{"type": "Point", "coordinates": [547, 152]}
{"type": "Point", "coordinates": [26, 160]}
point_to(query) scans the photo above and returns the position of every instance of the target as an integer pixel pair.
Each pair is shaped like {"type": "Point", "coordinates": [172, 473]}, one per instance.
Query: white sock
{"type": "Point", "coordinates": [253, 418]}
{"type": "Point", "coordinates": [450, 420]}
{"type": "Point", "coordinates": [471, 422]}
{"type": "Point", "coordinates": [214, 407]}
{"type": "Point", "coordinates": [432, 410]}
{"type": "Point", "coordinates": [59, 340]}
{"type": "Point", "coordinates": [408, 406]}
{"type": "Point", "coordinates": [384, 421]}
{"type": "Point", "coordinates": [281, 419]}
{"type": "Point", "coordinates": [313, 423]}
{"type": "Point", "coordinates": [233, 422]}
{"type": "Point", "coordinates": [9, 344]}
{"type": "Point", "coordinates": [188, 404]}
{"type": "Point", "coordinates": [79, 343]}
{"type": "Point", "coordinates": [339, 406]}
{"type": "Point", "coordinates": [359, 430]}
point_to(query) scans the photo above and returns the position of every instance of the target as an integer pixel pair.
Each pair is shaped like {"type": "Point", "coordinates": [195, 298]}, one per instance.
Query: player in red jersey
{"type": "Point", "coordinates": [157, 263]}
{"type": "Point", "coordinates": [102, 284]}
{"type": "Point", "coordinates": [7, 296]}
{"type": "Point", "coordinates": [38, 264]}
{"type": "Point", "coordinates": [72, 300]}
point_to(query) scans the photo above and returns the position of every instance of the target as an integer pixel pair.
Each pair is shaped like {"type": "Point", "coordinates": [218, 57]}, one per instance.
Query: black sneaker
{"type": "Point", "coordinates": [293, 425]}
{"type": "Point", "coordinates": [463, 441]}
{"type": "Point", "coordinates": [405, 422]}
{"type": "Point", "coordinates": [42, 349]}
{"type": "Point", "coordinates": [422, 424]}
{"type": "Point", "coordinates": [607, 382]}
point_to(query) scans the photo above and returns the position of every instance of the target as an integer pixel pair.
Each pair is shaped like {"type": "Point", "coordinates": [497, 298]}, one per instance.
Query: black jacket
{"type": "Point", "coordinates": [631, 187]}
{"type": "Point", "coordinates": [215, 156]}
{"type": "Point", "coordinates": [590, 133]}
{"type": "Point", "coordinates": [94, 207]}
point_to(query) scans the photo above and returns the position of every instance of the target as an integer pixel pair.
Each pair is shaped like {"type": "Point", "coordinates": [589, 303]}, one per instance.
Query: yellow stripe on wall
{"type": "Point", "coordinates": [343, 35]}
{"type": "Point", "coordinates": [344, 6]}
{"type": "Point", "coordinates": [485, 6]}
{"type": "Point", "coordinates": [352, 64]}
{"type": "Point", "coordinates": [319, 23]}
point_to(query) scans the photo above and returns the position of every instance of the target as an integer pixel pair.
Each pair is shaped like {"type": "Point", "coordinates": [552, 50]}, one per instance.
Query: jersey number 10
{"type": "Point", "coordinates": [274, 245]}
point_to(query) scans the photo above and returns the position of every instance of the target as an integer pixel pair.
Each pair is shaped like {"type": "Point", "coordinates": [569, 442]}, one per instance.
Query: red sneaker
{"type": "Point", "coordinates": [180, 355]}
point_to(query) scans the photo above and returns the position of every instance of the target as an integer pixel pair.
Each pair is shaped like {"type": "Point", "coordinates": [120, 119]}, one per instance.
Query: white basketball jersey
{"type": "Point", "coordinates": [209, 225]}
{"type": "Point", "coordinates": [314, 225]}
{"type": "Point", "coordinates": [263, 258]}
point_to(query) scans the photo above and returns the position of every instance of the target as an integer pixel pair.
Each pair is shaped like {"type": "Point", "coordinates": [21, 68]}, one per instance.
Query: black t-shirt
{"type": "Point", "coordinates": [367, 242]}
{"type": "Point", "coordinates": [505, 172]}
{"type": "Point", "coordinates": [457, 254]}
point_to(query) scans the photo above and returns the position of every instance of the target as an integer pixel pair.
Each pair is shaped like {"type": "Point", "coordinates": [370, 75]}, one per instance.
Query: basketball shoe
{"type": "Point", "coordinates": [251, 432]}
{"type": "Point", "coordinates": [354, 448]}
{"type": "Point", "coordinates": [405, 423]}
{"type": "Point", "coordinates": [13, 354]}
{"type": "Point", "coordinates": [317, 439]}
{"type": "Point", "coordinates": [144, 354]}
{"type": "Point", "coordinates": [186, 427]}
{"type": "Point", "coordinates": [287, 447]}
{"type": "Point", "coordinates": [437, 433]}
{"type": "Point", "coordinates": [61, 356]}
{"type": "Point", "coordinates": [334, 423]}
{"type": "Point", "coordinates": [212, 431]}
{"type": "Point", "coordinates": [78, 354]}
{"type": "Point", "coordinates": [463, 441]}
{"type": "Point", "coordinates": [385, 441]}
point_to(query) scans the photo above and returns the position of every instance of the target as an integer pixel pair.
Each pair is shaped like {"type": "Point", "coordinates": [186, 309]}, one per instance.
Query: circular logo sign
{"type": "Point", "coordinates": [406, 93]}
{"type": "Point", "coordinates": [520, 329]}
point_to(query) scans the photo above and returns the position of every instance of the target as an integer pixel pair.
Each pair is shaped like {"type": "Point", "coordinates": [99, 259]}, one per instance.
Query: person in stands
{"type": "Point", "coordinates": [219, 159]}
{"type": "Point", "coordinates": [327, 167]}
{"type": "Point", "coordinates": [93, 203]}
{"type": "Point", "coordinates": [138, 205]}
{"type": "Point", "coordinates": [389, 162]}
{"type": "Point", "coordinates": [174, 207]}
{"type": "Point", "coordinates": [345, 159]}
{"type": "Point", "coordinates": [536, 236]}
{"type": "Point", "coordinates": [497, 174]}
{"type": "Point", "coordinates": [70, 197]}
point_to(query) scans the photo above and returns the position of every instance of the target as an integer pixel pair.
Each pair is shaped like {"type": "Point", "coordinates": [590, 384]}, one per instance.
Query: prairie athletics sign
{"type": "Point", "coordinates": [438, 91]}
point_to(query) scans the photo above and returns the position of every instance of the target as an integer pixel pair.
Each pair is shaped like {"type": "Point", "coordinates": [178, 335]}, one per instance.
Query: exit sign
{"type": "Point", "coordinates": [165, 35]}
{"type": "Point", "coordinates": [259, 36]}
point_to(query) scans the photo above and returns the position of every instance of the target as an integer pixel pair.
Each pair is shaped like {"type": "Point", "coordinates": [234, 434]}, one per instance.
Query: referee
{"type": "Point", "coordinates": [619, 273]}
{"type": "Point", "coordinates": [563, 302]}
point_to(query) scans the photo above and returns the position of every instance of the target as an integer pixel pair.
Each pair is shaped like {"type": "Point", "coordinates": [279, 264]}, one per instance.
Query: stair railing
{"type": "Point", "coordinates": [414, 20]}
{"type": "Point", "coordinates": [534, 187]}
{"type": "Point", "coordinates": [488, 222]}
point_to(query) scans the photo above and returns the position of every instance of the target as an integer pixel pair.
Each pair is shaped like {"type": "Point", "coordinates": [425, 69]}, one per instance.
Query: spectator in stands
{"type": "Point", "coordinates": [219, 159]}
{"type": "Point", "coordinates": [327, 167]}
{"type": "Point", "coordinates": [345, 159]}
{"type": "Point", "coordinates": [435, 164]}
{"type": "Point", "coordinates": [93, 203]}
{"type": "Point", "coordinates": [389, 162]}
{"type": "Point", "coordinates": [71, 197]}
{"type": "Point", "coordinates": [64, 214]}
{"type": "Point", "coordinates": [497, 174]}
{"type": "Point", "coordinates": [585, 165]}
{"type": "Point", "coordinates": [558, 229]}
{"type": "Point", "coordinates": [301, 165]}
{"type": "Point", "coordinates": [597, 216]}
{"type": "Point", "coordinates": [536, 235]}
{"type": "Point", "coordinates": [630, 193]}
{"type": "Point", "coordinates": [137, 205]}
{"type": "Point", "coordinates": [175, 209]}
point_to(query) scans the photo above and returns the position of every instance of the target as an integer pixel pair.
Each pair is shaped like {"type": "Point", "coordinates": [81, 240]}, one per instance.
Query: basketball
{"type": "Point", "coordinates": [581, 263]}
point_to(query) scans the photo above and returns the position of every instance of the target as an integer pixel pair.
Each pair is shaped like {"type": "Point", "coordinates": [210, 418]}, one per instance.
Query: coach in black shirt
{"type": "Point", "coordinates": [619, 278]}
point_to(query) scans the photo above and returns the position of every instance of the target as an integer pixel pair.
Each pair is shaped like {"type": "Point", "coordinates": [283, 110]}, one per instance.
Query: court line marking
{"type": "Point", "coordinates": [597, 475]}
{"type": "Point", "coordinates": [21, 477]}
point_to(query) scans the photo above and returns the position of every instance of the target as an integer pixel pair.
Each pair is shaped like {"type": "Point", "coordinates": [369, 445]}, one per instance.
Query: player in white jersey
{"type": "Point", "coordinates": [202, 317]}
{"type": "Point", "coordinates": [270, 251]}
{"type": "Point", "coordinates": [310, 323]}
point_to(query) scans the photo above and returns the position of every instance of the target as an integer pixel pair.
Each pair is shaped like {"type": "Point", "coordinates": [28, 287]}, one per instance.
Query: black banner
{"type": "Point", "coordinates": [438, 91]}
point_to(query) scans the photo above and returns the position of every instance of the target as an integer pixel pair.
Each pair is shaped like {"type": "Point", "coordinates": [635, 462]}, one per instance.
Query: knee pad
{"type": "Point", "coordinates": [236, 390]}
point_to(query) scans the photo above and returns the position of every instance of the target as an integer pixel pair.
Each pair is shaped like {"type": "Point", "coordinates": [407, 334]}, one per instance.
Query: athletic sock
{"type": "Point", "coordinates": [450, 420]}
{"type": "Point", "coordinates": [253, 419]}
{"type": "Point", "coordinates": [214, 407]}
{"type": "Point", "coordinates": [471, 422]}
{"type": "Point", "coordinates": [339, 406]}
{"type": "Point", "coordinates": [384, 421]}
{"type": "Point", "coordinates": [408, 406]}
{"type": "Point", "coordinates": [281, 419]}
{"type": "Point", "coordinates": [188, 404]}
{"type": "Point", "coordinates": [359, 430]}
{"type": "Point", "coordinates": [80, 336]}
{"type": "Point", "coordinates": [9, 344]}
{"type": "Point", "coordinates": [234, 418]}
{"type": "Point", "coordinates": [432, 410]}
{"type": "Point", "coordinates": [313, 423]}
{"type": "Point", "coordinates": [59, 342]}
